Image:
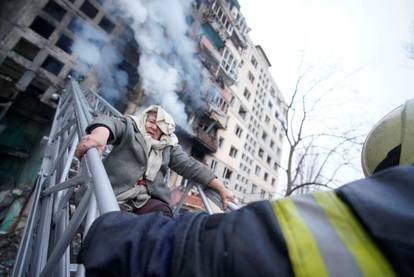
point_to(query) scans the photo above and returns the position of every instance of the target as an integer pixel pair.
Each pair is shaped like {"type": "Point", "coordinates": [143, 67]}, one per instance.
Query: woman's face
{"type": "Point", "coordinates": [152, 128]}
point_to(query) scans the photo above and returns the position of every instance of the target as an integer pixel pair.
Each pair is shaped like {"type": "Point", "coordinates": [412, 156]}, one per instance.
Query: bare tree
{"type": "Point", "coordinates": [315, 157]}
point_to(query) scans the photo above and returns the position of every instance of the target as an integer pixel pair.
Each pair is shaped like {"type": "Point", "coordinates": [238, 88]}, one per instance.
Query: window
{"type": "Point", "coordinates": [213, 165]}
{"type": "Point", "coordinates": [270, 196]}
{"type": "Point", "coordinates": [227, 173]}
{"type": "Point", "coordinates": [220, 142]}
{"type": "Point", "coordinates": [254, 189]}
{"type": "Point", "coordinates": [65, 43]}
{"type": "Point", "coordinates": [265, 176]}
{"type": "Point", "coordinates": [272, 143]}
{"type": "Point", "coordinates": [264, 135]}
{"type": "Point", "coordinates": [273, 182]}
{"type": "Point", "coordinates": [277, 114]}
{"type": "Point", "coordinates": [107, 25]}
{"type": "Point", "coordinates": [89, 9]}
{"type": "Point", "coordinates": [52, 65]}
{"type": "Point", "coordinates": [54, 10]}
{"type": "Point", "coordinates": [254, 61]}
{"type": "Point", "coordinates": [26, 49]}
{"type": "Point", "coordinates": [269, 104]}
{"type": "Point", "coordinates": [246, 94]}
{"type": "Point", "coordinates": [262, 194]}
{"type": "Point", "coordinates": [229, 63]}
{"type": "Point", "coordinates": [242, 112]}
{"type": "Point", "coordinates": [267, 119]}
{"type": "Point", "coordinates": [274, 129]}
{"type": "Point", "coordinates": [238, 131]}
{"type": "Point", "coordinates": [269, 160]}
{"type": "Point", "coordinates": [260, 153]}
{"type": "Point", "coordinates": [250, 77]}
{"type": "Point", "coordinates": [233, 152]}
{"type": "Point", "coordinates": [42, 27]}
{"type": "Point", "coordinates": [257, 170]}
{"type": "Point", "coordinates": [280, 136]}
{"type": "Point", "coordinates": [278, 151]}
{"type": "Point", "coordinates": [275, 166]}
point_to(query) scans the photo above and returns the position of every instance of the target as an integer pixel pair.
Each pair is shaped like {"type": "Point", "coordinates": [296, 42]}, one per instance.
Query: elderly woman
{"type": "Point", "coordinates": [144, 148]}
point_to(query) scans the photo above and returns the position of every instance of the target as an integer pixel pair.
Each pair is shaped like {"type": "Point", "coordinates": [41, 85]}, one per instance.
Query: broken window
{"type": "Point", "coordinates": [89, 9]}
{"type": "Point", "coordinates": [74, 25]}
{"type": "Point", "coordinates": [54, 10]}
{"type": "Point", "coordinates": [52, 65]}
{"type": "Point", "coordinates": [65, 43]}
{"type": "Point", "coordinates": [26, 49]}
{"type": "Point", "coordinates": [107, 25]}
{"type": "Point", "coordinates": [42, 27]}
{"type": "Point", "coordinates": [11, 69]}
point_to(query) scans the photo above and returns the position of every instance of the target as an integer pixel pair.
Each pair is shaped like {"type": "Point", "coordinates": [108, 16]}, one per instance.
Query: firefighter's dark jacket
{"type": "Point", "coordinates": [249, 241]}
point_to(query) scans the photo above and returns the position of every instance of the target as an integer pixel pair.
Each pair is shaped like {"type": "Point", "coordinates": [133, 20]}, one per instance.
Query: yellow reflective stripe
{"type": "Point", "coordinates": [367, 255]}
{"type": "Point", "coordinates": [303, 252]}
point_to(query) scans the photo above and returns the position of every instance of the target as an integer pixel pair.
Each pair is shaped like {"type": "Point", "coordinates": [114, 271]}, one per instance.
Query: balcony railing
{"type": "Point", "coordinates": [206, 140]}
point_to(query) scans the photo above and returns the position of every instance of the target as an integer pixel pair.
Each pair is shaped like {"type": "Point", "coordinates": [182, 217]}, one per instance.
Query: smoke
{"type": "Point", "coordinates": [94, 49]}
{"type": "Point", "coordinates": [168, 64]}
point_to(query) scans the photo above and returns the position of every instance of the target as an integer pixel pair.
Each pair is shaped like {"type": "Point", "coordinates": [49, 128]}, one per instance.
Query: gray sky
{"type": "Point", "coordinates": [350, 34]}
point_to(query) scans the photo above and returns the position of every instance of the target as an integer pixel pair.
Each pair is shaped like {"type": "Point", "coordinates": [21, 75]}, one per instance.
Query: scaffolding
{"type": "Point", "coordinates": [70, 193]}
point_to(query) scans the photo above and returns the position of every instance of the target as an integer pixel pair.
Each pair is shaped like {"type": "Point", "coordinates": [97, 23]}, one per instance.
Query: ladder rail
{"type": "Point", "coordinates": [50, 228]}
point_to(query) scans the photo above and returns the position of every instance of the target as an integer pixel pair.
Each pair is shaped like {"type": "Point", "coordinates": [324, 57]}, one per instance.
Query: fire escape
{"type": "Point", "coordinates": [71, 193]}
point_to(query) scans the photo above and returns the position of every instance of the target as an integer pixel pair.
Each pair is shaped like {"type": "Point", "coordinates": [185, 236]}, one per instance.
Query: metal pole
{"type": "Point", "coordinates": [204, 199]}
{"type": "Point", "coordinates": [67, 236]}
{"type": "Point", "coordinates": [102, 187]}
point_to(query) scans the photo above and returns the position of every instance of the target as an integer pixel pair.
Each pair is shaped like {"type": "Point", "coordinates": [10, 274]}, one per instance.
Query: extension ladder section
{"type": "Point", "coordinates": [70, 194]}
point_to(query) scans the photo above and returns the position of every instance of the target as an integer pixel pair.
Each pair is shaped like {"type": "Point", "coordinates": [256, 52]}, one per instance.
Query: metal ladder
{"type": "Point", "coordinates": [57, 214]}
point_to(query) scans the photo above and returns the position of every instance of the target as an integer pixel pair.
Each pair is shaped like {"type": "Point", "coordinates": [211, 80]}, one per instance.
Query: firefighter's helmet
{"type": "Point", "coordinates": [391, 141]}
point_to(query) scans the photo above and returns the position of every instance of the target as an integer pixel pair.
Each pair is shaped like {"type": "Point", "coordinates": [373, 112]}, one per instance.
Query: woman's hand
{"type": "Point", "coordinates": [225, 194]}
{"type": "Point", "coordinates": [97, 139]}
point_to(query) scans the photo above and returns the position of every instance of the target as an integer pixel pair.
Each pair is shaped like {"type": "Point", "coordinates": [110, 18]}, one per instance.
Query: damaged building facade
{"type": "Point", "coordinates": [249, 144]}
{"type": "Point", "coordinates": [236, 132]}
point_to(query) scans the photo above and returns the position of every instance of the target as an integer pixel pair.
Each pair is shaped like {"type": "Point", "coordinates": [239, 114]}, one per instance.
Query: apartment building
{"type": "Point", "coordinates": [250, 147]}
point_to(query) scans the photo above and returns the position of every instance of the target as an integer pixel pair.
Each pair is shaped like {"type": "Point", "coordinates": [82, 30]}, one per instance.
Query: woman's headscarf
{"type": "Point", "coordinates": [155, 147]}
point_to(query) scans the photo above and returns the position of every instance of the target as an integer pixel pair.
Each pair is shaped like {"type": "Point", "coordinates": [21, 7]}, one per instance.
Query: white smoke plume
{"type": "Point", "coordinates": [167, 54]}
{"type": "Point", "coordinates": [94, 49]}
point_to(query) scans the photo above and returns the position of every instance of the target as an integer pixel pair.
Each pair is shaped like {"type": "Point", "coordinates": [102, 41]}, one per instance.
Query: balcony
{"type": "Point", "coordinates": [239, 39]}
{"type": "Point", "coordinates": [228, 77]}
{"type": "Point", "coordinates": [215, 24]}
{"type": "Point", "coordinates": [209, 56]}
{"type": "Point", "coordinates": [206, 140]}
{"type": "Point", "coordinates": [216, 114]}
{"type": "Point", "coordinates": [217, 105]}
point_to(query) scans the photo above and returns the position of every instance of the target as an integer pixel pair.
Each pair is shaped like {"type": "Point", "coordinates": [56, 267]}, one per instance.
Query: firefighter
{"type": "Point", "coordinates": [364, 228]}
